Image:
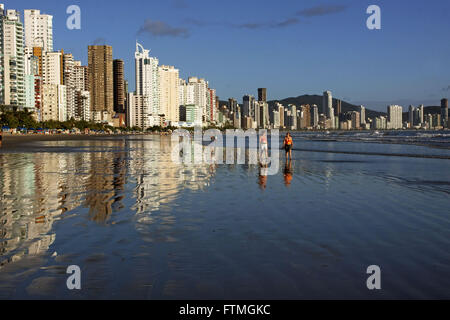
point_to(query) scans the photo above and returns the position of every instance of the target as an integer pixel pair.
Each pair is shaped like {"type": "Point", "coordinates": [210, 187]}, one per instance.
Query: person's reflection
{"type": "Point", "coordinates": [288, 175]}
{"type": "Point", "coordinates": [262, 181]}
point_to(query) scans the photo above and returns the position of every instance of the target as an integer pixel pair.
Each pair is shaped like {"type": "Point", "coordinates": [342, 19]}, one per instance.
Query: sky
{"type": "Point", "coordinates": [291, 47]}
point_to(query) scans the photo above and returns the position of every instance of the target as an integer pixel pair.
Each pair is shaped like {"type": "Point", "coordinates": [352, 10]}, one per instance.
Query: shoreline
{"type": "Point", "coordinates": [11, 141]}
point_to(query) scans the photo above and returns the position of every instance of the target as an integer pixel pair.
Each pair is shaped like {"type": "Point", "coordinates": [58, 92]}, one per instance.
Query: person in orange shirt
{"type": "Point", "coordinates": [288, 145]}
{"type": "Point", "coordinates": [288, 174]}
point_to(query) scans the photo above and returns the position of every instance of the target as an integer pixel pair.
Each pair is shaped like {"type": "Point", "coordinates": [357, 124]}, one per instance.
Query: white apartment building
{"type": "Point", "coordinates": [187, 93]}
{"type": "Point", "coordinates": [32, 79]}
{"type": "Point", "coordinates": [79, 80]}
{"type": "Point", "coordinates": [147, 79]}
{"type": "Point", "coordinates": [53, 90]}
{"type": "Point", "coordinates": [12, 64]}
{"type": "Point", "coordinates": [53, 102]}
{"type": "Point", "coordinates": [38, 30]}
{"type": "Point", "coordinates": [362, 112]}
{"type": "Point", "coordinates": [169, 93]}
{"type": "Point", "coordinates": [381, 123]}
{"type": "Point", "coordinates": [327, 106]}
{"type": "Point", "coordinates": [395, 117]}
{"type": "Point", "coordinates": [52, 68]}
{"type": "Point", "coordinates": [275, 119]}
{"type": "Point", "coordinates": [200, 87]}
{"type": "Point", "coordinates": [80, 76]}
{"type": "Point", "coordinates": [315, 116]}
{"type": "Point", "coordinates": [138, 114]}
{"type": "Point", "coordinates": [82, 105]}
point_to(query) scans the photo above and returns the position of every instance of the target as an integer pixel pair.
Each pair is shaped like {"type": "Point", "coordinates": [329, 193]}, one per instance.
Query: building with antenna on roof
{"type": "Point", "coordinates": [147, 78]}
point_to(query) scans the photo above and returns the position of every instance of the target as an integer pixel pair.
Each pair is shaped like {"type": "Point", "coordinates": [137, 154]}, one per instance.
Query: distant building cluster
{"type": "Point", "coordinates": [35, 77]}
{"type": "Point", "coordinates": [417, 119]}
{"type": "Point", "coordinates": [55, 86]}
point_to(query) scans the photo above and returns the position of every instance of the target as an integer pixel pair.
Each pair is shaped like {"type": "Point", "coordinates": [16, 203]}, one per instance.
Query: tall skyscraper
{"type": "Point", "coordinates": [54, 92]}
{"type": "Point", "coordinates": [411, 113]}
{"type": "Point", "coordinates": [101, 84]}
{"type": "Point", "coordinates": [38, 53]}
{"type": "Point", "coordinates": [262, 94]}
{"type": "Point", "coordinates": [69, 82]}
{"type": "Point", "coordinates": [315, 117]}
{"type": "Point", "coordinates": [327, 104]}
{"type": "Point", "coordinates": [33, 83]}
{"type": "Point", "coordinates": [249, 107]}
{"type": "Point", "coordinates": [421, 114]}
{"type": "Point", "coordinates": [263, 118]}
{"type": "Point", "coordinates": [147, 79]}
{"type": "Point", "coordinates": [275, 119]}
{"type": "Point", "coordinates": [38, 30]}
{"type": "Point", "coordinates": [338, 107]}
{"type": "Point", "coordinates": [54, 102]}
{"type": "Point", "coordinates": [395, 116]}
{"type": "Point", "coordinates": [137, 112]}
{"type": "Point", "coordinates": [211, 105]}
{"type": "Point", "coordinates": [362, 113]}
{"type": "Point", "coordinates": [81, 77]}
{"type": "Point", "coordinates": [52, 68]}
{"type": "Point", "coordinates": [280, 108]}
{"type": "Point", "coordinates": [169, 93]}
{"type": "Point", "coordinates": [305, 117]}
{"type": "Point", "coordinates": [355, 119]}
{"type": "Point", "coordinates": [232, 105]}
{"type": "Point", "coordinates": [119, 90]}
{"type": "Point", "coordinates": [197, 92]}
{"type": "Point", "coordinates": [444, 113]}
{"type": "Point", "coordinates": [290, 119]}
{"type": "Point", "coordinates": [82, 94]}
{"type": "Point", "coordinates": [12, 64]}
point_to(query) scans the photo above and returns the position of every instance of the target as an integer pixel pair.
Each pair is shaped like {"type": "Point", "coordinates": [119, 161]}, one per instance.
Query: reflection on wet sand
{"type": "Point", "coordinates": [288, 174]}
{"type": "Point", "coordinates": [142, 226]}
{"type": "Point", "coordinates": [37, 189]}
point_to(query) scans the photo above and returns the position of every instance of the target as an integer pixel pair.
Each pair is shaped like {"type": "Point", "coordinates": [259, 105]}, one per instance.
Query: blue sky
{"type": "Point", "coordinates": [291, 47]}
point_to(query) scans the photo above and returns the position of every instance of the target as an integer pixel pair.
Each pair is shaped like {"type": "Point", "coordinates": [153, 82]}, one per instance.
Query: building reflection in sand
{"type": "Point", "coordinates": [38, 189]}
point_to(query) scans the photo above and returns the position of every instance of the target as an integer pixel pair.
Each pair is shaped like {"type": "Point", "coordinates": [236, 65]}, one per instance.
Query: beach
{"type": "Point", "coordinates": [140, 226]}
{"type": "Point", "coordinates": [19, 141]}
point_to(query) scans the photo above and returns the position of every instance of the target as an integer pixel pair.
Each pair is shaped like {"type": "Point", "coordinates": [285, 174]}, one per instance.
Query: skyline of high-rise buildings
{"type": "Point", "coordinates": [56, 86]}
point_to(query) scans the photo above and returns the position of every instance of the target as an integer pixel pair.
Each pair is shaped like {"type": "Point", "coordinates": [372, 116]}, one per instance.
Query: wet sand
{"type": "Point", "coordinates": [141, 226]}
{"type": "Point", "coordinates": [19, 141]}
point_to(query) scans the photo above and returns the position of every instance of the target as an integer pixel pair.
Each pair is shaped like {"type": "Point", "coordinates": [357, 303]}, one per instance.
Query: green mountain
{"type": "Point", "coordinates": [318, 100]}
{"type": "Point", "coordinates": [346, 107]}
{"type": "Point", "coordinates": [426, 110]}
